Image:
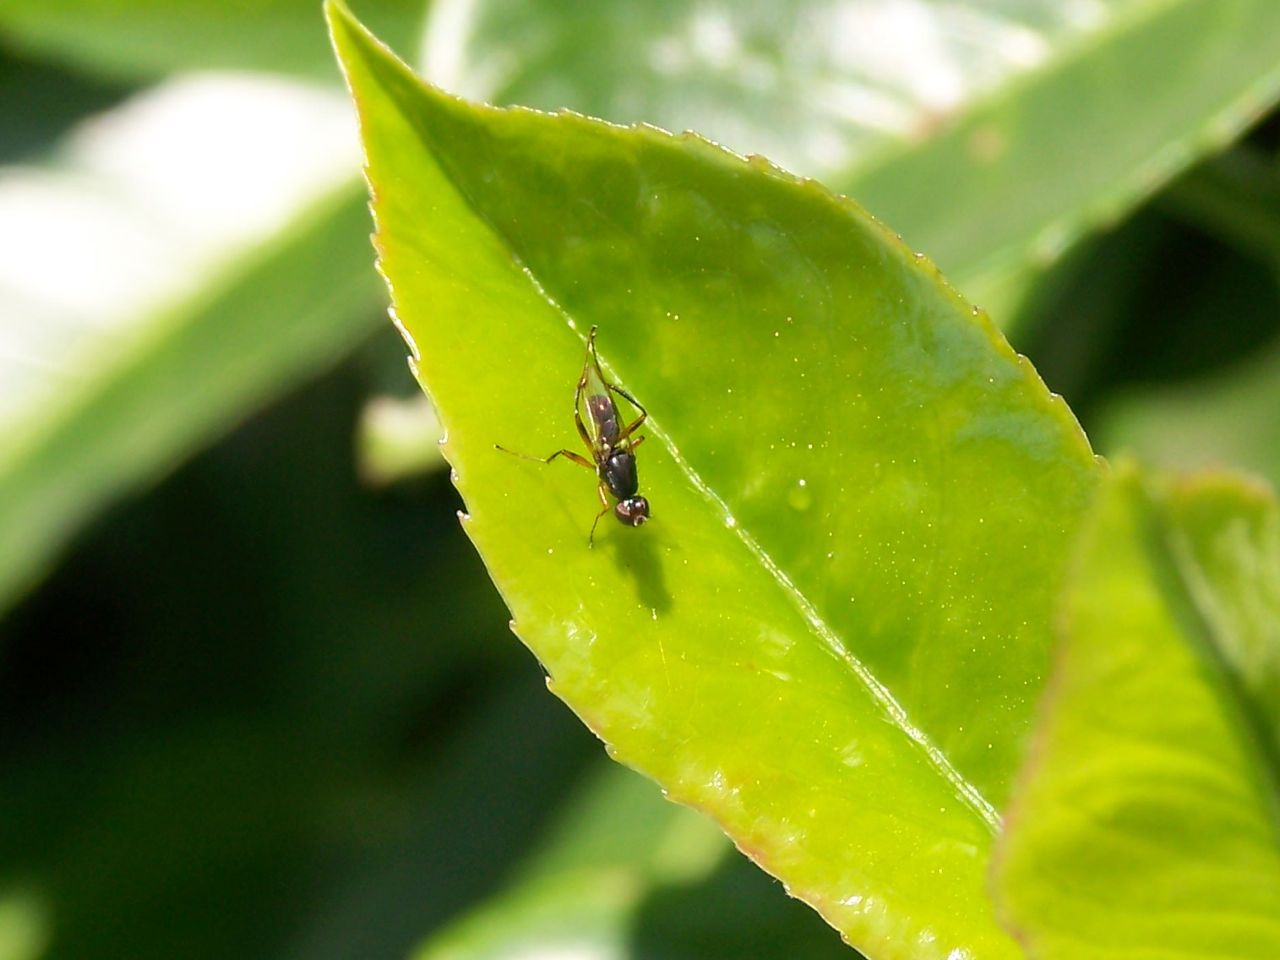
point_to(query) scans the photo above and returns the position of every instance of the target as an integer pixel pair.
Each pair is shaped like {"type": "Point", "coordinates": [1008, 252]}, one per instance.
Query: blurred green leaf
{"type": "Point", "coordinates": [1226, 413]}
{"type": "Point", "coordinates": [200, 365]}
{"type": "Point", "coordinates": [1226, 417]}
{"type": "Point", "coordinates": [139, 38]}
{"type": "Point", "coordinates": [739, 911]}
{"type": "Point", "coordinates": [397, 439]}
{"type": "Point", "coordinates": [581, 891]}
{"type": "Point", "coordinates": [24, 925]}
{"type": "Point", "coordinates": [584, 915]}
{"type": "Point", "coordinates": [251, 714]}
{"type": "Point", "coordinates": [191, 223]}
{"type": "Point", "coordinates": [817, 86]}
{"type": "Point", "coordinates": [1236, 197]}
{"type": "Point", "coordinates": [1079, 142]}
{"type": "Point", "coordinates": [627, 874]}
{"type": "Point", "coordinates": [832, 634]}
{"type": "Point", "coordinates": [990, 135]}
{"type": "Point", "coordinates": [619, 819]}
{"type": "Point", "coordinates": [1146, 823]}
{"type": "Point", "coordinates": [39, 102]}
{"type": "Point", "coordinates": [1225, 541]}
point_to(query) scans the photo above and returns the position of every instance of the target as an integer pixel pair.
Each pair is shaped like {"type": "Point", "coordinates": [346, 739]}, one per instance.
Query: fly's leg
{"type": "Point", "coordinates": [568, 454]}
{"type": "Point", "coordinates": [577, 410]}
{"type": "Point", "coordinates": [634, 425]}
{"type": "Point", "coordinates": [605, 507]}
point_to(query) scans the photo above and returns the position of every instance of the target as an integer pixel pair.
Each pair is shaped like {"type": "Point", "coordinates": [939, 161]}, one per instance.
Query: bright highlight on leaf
{"type": "Point", "coordinates": [1146, 824]}
{"type": "Point", "coordinates": [833, 631]}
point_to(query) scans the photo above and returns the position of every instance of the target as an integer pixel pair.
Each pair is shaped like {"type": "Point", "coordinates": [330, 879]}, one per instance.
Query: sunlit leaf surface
{"type": "Point", "coordinates": [1146, 824]}
{"type": "Point", "coordinates": [832, 633]}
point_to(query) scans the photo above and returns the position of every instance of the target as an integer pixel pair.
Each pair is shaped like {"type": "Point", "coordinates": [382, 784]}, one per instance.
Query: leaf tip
{"type": "Point", "coordinates": [339, 19]}
{"type": "Point", "coordinates": [352, 41]}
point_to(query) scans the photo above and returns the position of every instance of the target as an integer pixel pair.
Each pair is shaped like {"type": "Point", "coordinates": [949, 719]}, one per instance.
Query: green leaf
{"type": "Point", "coordinates": [1146, 823]}
{"type": "Point", "coordinates": [583, 889]}
{"type": "Point", "coordinates": [990, 137]}
{"type": "Point", "coordinates": [815, 86]}
{"type": "Point", "coordinates": [24, 925]}
{"type": "Point", "coordinates": [626, 874]}
{"type": "Point", "coordinates": [1224, 537]}
{"type": "Point", "coordinates": [186, 375]}
{"type": "Point", "coordinates": [1236, 197]}
{"type": "Point", "coordinates": [1226, 416]}
{"type": "Point", "coordinates": [191, 222]}
{"type": "Point", "coordinates": [397, 439]}
{"type": "Point", "coordinates": [132, 38]}
{"type": "Point", "coordinates": [832, 633]}
{"type": "Point", "coordinates": [1083, 140]}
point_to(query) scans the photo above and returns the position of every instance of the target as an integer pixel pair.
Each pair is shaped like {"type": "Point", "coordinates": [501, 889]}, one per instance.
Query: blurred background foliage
{"type": "Point", "coordinates": [257, 696]}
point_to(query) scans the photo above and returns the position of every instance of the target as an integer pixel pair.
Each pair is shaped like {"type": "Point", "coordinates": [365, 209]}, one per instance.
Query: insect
{"type": "Point", "coordinates": [611, 445]}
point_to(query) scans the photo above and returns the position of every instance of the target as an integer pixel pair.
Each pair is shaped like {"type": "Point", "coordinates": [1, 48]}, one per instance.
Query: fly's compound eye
{"type": "Point", "coordinates": [632, 511]}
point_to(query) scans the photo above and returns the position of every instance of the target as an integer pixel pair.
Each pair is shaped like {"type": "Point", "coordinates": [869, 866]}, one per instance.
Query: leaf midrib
{"type": "Point", "coordinates": [967, 792]}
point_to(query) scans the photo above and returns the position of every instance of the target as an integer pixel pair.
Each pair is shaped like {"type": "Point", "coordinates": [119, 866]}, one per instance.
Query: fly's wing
{"type": "Point", "coordinates": [597, 409]}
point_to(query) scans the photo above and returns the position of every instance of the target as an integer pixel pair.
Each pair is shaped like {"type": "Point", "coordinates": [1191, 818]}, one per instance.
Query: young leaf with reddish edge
{"type": "Point", "coordinates": [831, 634]}
{"type": "Point", "coordinates": [1145, 825]}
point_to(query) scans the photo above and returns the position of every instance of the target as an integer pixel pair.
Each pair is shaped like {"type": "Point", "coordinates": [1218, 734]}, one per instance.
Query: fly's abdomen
{"type": "Point", "coordinates": [604, 415]}
{"type": "Point", "coordinates": [619, 474]}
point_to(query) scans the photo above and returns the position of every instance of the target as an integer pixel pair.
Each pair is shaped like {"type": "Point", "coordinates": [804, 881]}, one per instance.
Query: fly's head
{"type": "Point", "coordinates": [633, 511]}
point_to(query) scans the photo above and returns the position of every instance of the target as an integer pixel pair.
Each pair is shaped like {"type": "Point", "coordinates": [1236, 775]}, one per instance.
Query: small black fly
{"type": "Point", "coordinates": [611, 445]}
